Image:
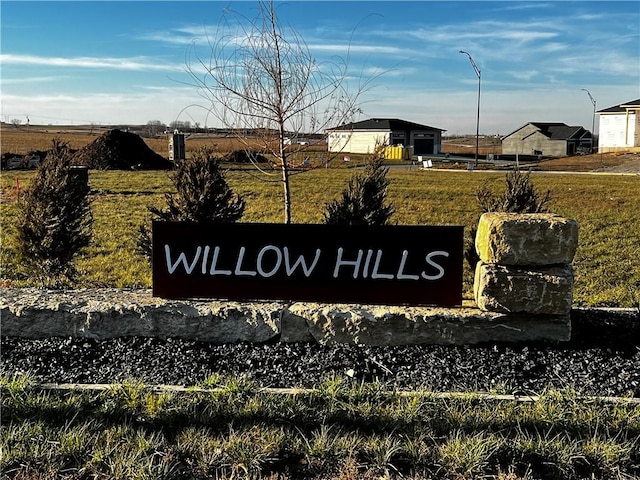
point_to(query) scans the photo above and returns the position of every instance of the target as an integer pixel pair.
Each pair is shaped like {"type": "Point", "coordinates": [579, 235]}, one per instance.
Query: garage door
{"type": "Point", "coordinates": [422, 146]}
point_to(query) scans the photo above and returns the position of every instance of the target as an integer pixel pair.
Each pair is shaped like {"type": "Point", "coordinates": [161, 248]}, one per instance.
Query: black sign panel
{"type": "Point", "coordinates": [385, 265]}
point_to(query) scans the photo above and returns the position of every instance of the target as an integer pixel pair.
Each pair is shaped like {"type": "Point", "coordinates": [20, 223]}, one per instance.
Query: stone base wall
{"type": "Point", "coordinates": [110, 313]}
{"type": "Point", "coordinates": [523, 291]}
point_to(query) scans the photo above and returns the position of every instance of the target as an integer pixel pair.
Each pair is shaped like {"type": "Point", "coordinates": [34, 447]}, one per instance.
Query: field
{"type": "Point", "coordinates": [229, 428]}
{"type": "Point", "coordinates": [23, 140]}
{"type": "Point", "coordinates": [38, 138]}
{"type": "Point", "coordinates": [605, 206]}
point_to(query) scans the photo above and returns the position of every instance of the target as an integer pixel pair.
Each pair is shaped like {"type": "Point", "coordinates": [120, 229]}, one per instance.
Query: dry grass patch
{"type": "Point", "coordinates": [605, 207]}
{"type": "Point", "coordinates": [23, 140]}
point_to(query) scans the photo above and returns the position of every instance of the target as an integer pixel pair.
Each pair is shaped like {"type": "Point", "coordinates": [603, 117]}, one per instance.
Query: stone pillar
{"type": "Point", "coordinates": [525, 263]}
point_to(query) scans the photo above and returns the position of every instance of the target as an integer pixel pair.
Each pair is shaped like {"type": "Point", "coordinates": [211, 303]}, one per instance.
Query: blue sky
{"type": "Point", "coordinates": [123, 62]}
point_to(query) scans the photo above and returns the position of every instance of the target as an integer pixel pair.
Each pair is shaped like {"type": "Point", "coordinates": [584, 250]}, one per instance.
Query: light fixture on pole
{"type": "Point", "coordinates": [479, 75]}
{"type": "Point", "coordinates": [593, 120]}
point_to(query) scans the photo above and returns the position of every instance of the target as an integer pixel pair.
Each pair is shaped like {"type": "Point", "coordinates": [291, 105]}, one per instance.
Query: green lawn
{"type": "Point", "coordinates": [340, 430]}
{"type": "Point", "coordinates": [607, 208]}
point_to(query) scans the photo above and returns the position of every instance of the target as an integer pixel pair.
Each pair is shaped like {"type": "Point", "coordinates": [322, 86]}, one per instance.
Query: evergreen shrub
{"type": "Point", "coordinates": [54, 219]}
{"type": "Point", "coordinates": [520, 196]}
{"type": "Point", "coordinates": [202, 195]}
{"type": "Point", "coordinates": [364, 200]}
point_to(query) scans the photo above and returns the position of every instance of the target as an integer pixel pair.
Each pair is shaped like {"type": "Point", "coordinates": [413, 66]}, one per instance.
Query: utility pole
{"type": "Point", "coordinates": [479, 75]}
{"type": "Point", "coordinates": [593, 120]}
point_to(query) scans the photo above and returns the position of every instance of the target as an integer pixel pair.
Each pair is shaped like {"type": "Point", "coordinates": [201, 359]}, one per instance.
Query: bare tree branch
{"type": "Point", "coordinates": [263, 79]}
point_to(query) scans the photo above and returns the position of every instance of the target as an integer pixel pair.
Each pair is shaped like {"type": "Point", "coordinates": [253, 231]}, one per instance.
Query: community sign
{"type": "Point", "coordinates": [384, 265]}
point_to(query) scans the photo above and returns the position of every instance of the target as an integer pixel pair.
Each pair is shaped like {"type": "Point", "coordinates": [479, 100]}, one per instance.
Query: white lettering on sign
{"type": "Point", "coordinates": [214, 263]}
{"type": "Point", "coordinates": [355, 263]}
{"type": "Point", "coordinates": [429, 260]}
{"type": "Point", "coordinates": [204, 259]}
{"type": "Point", "coordinates": [182, 258]}
{"type": "Point", "coordinates": [301, 261]}
{"type": "Point", "coordinates": [274, 270]}
{"type": "Point", "coordinates": [365, 273]}
{"type": "Point", "coordinates": [261, 265]}
{"type": "Point", "coordinates": [376, 274]}
{"type": "Point", "coordinates": [401, 274]}
{"type": "Point", "coordinates": [271, 259]}
{"type": "Point", "coordinates": [238, 271]}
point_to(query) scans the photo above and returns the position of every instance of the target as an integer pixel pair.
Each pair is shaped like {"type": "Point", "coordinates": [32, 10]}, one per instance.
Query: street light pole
{"type": "Point", "coordinates": [479, 75]}
{"type": "Point", "coordinates": [593, 120]}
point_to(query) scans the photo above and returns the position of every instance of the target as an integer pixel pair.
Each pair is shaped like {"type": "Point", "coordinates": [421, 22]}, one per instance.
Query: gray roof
{"type": "Point", "coordinates": [621, 108]}
{"type": "Point", "coordinates": [387, 124]}
{"type": "Point", "coordinates": [560, 131]}
{"type": "Point", "coordinates": [555, 130]}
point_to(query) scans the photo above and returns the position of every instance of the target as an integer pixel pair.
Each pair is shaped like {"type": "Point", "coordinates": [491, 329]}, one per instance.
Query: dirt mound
{"type": "Point", "coordinates": [630, 163]}
{"type": "Point", "coordinates": [118, 150]}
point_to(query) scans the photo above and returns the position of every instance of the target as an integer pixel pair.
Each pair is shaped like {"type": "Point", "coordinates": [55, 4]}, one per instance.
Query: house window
{"type": "Point", "coordinates": [397, 138]}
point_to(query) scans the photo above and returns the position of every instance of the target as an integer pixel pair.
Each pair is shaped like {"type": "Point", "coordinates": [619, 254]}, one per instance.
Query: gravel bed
{"type": "Point", "coordinates": [506, 369]}
{"type": "Point", "coordinates": [603, 359]}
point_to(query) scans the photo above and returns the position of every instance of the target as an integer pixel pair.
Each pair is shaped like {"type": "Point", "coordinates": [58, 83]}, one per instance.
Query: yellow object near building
{"type": "Point", "coordinates": [394, 153]}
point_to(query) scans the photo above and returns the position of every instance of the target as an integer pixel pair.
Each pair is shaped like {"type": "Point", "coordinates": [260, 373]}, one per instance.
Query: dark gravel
{"type": "Point", "coordinates": [603, 358]}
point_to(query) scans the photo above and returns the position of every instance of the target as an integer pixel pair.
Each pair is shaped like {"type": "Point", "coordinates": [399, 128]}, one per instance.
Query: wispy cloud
{"type": "Point", "coordinates": [134, 63]}
{"type": "Point", "coordinates": [174, 37]}
{"type": "Point", "coordinates": [82, 108]}
{"type": "Point", "coordinates": [525, 75]}
{"type": "Point", "coordinates": [515, 6]}
{"type": "Point", "coordinates": [21, 81]}
{"type": "Point", "coordinates": [479, 32]}
{"type": "Point", "coordinates": [553, 47]}
{"type": "Point", "coordinates": [361, 48]}
{"type": "Point", "coordinates": [607, 63]}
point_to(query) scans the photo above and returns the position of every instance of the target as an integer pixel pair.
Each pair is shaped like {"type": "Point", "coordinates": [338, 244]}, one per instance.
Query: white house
{"type": "Point", "coordinates": [619, 128]}
{"type": "Point", "coordinates": [367, 135]}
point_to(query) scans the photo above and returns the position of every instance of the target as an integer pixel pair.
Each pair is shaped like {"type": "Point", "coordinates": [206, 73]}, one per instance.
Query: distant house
{"type": "Point", "coordinates": [548, 139]}
{"type": "Point", "coordinates": [367, 135]}
{"type": "Point", "coordinates": [619, 127]}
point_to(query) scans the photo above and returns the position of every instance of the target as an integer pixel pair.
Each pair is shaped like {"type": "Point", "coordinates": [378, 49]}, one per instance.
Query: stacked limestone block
{"type": "Point", "coordinates": [525, 263]}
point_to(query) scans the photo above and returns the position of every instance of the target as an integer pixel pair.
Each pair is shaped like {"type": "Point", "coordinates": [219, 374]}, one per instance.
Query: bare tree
{"type": "Point", "coordinates": [180, 125]}
{"type": "Point", "coordinates": [154, 127]}
{"type": "Point", "coordinates": [262, 80]}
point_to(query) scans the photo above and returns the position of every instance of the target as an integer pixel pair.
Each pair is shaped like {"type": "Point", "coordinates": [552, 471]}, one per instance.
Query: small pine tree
{"type": "Point", "coordinates": [54, 219]}
{"type": "Point", "coordinates": [202, 195]}
{"type": "Point", "coordinates": [520, 196]}
{"type": "Point", "coordinates": [363, 202]}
